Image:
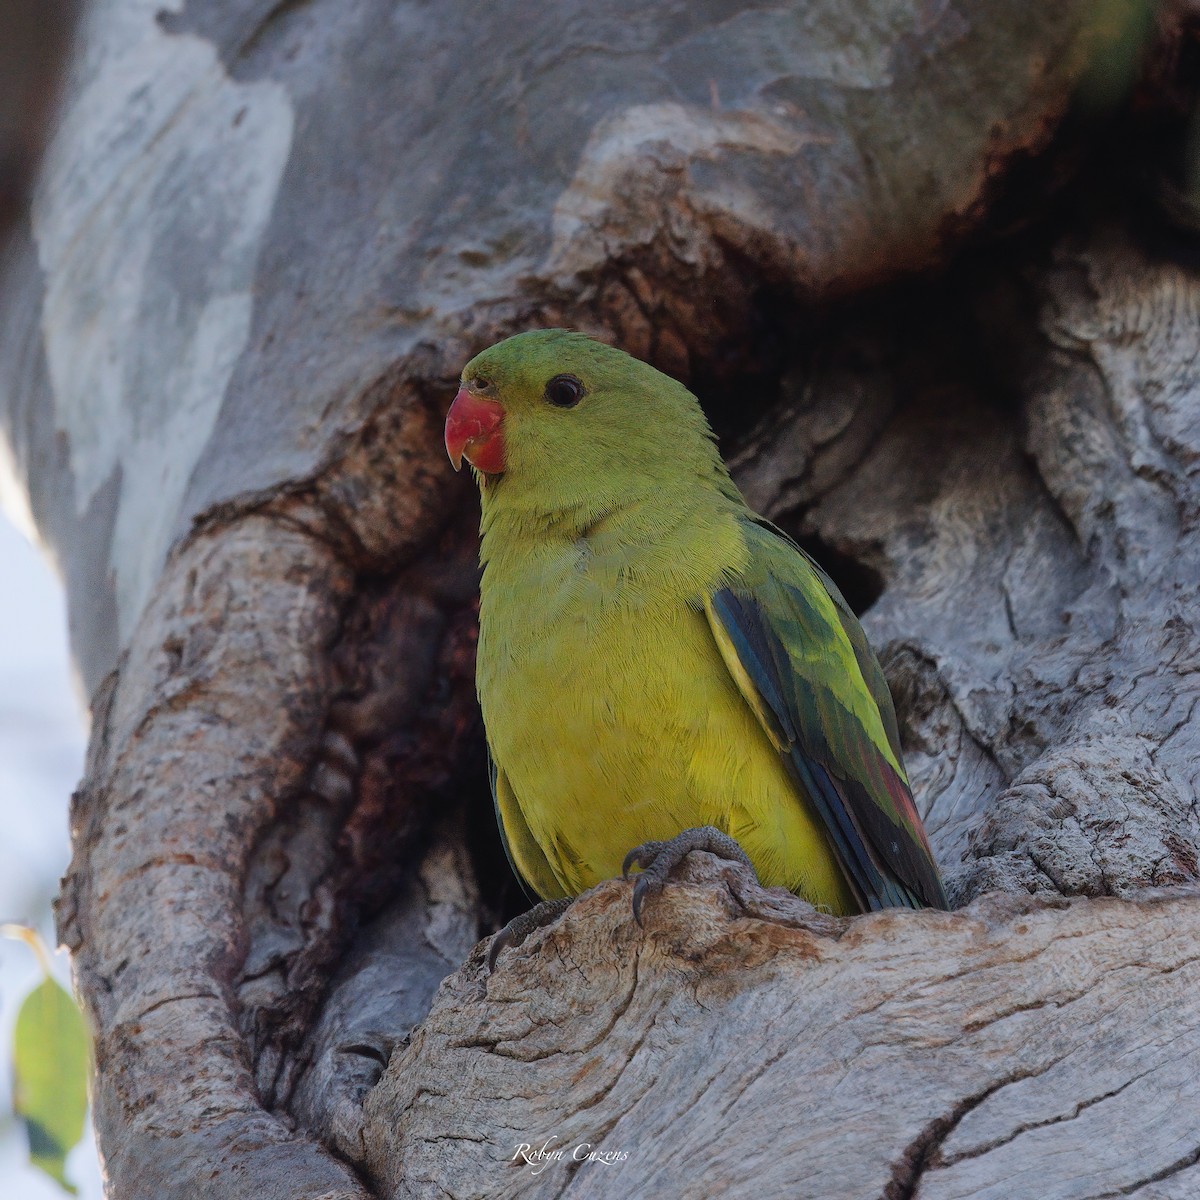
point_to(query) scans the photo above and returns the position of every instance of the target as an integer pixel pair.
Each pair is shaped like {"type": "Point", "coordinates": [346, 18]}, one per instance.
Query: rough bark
{"type": "Point", "coordinates": [265, 240]}
{"type": "Point", "coordinates": [743, 1045]}
{"type": "Point", "coordinates": [1039, 585]}
{"type": "Point", "coordinates": [1037, 497]}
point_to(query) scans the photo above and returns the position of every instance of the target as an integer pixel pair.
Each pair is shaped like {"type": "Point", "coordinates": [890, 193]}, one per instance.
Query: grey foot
{"type": "Point", "coordinates": [520, 927]}
{"type": "Point", "coordinates": [659, 859]}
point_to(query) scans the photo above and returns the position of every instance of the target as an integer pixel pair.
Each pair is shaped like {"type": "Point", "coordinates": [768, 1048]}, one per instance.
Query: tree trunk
{"type": "Point", "coordinates": [891, 248]}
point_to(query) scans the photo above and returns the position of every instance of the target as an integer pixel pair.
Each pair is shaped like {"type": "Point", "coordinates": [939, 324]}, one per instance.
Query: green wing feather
{"type": "Point", "coordinates": [801, 659]}
{"type": "Point", "coordinates": [525, 856]}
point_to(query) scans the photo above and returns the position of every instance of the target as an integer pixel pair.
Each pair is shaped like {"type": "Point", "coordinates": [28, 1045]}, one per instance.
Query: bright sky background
{"type": "Point", "coordinates": [42, 739]}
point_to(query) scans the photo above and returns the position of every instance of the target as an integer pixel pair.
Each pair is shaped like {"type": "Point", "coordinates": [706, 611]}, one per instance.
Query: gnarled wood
{"type": "Point", "coordinates": [1038, 499]}
{"type": "Point", "coordinates": [743, 1045]}
{"type": "Point", "coordinates": [266, 239]}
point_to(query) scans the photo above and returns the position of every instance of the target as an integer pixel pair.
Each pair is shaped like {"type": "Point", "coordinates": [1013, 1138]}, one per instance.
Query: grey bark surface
{"type": "Point", "coordinates": [265, 239]}
{"type": "Point", "coordinates": [744, 1045]}
{"type": "Point", "coordinates": [1052, 528]}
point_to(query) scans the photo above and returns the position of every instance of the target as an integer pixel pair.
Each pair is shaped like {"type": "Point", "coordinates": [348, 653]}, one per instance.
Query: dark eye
{"type": "Point", "coordinates": [479, 384]}
{"type": "Point", "coordinates": [564, 391]}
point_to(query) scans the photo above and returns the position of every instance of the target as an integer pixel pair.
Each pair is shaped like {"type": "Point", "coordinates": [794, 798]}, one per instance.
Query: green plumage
{"type": "Point", "coordinates": [654, 657]}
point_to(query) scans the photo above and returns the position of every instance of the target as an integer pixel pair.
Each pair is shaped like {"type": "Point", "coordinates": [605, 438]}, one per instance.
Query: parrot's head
{"type": "Point", "coordinates": [566, 422]}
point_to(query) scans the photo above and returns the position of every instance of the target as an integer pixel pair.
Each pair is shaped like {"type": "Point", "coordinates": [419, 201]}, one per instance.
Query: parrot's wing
{"type": "Point", "coordinates": [525, 856]}
{"type": "Point", "coordinates": [801, 659]}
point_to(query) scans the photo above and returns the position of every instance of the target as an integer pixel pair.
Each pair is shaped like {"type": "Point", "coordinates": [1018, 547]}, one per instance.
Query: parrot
{"type": "Point", "coordinates": [659, 668]}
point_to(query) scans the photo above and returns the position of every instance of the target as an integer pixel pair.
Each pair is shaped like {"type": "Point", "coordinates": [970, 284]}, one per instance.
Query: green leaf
{"type": "Point", "coordinates": [50, 1074]}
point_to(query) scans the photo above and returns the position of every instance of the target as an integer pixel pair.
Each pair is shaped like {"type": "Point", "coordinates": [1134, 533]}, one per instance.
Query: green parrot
{"type": "Point", "coordinates": [658, 666]}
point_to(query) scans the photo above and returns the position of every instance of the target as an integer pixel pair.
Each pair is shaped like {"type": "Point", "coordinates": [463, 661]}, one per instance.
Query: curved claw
{"type": "Point", "coordinates": [640, 856]}
{"type": "Point", "coordinates": [522, 925]}
{"type": "Point", "coordinates": [641, 889]}
{"type": "Point", "coordinates": [659, 859]}
{"type": "Point", "coordinates": [502, 941]}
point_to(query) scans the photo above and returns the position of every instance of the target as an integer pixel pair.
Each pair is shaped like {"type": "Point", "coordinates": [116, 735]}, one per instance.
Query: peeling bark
{"type": "Point", "coordinates": [153, 914]}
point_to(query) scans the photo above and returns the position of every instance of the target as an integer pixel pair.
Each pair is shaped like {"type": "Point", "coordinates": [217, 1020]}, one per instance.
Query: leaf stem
{"type": "Point", "coordinates": [31, 938]}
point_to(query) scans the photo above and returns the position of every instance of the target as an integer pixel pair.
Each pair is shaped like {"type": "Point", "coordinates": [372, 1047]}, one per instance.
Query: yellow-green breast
{"type": "Point", "coordinates": [612, 716]}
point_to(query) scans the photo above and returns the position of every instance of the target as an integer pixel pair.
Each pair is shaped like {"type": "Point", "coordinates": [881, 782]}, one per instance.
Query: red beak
{"type": "Point", "coordinates": [473, 432]}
